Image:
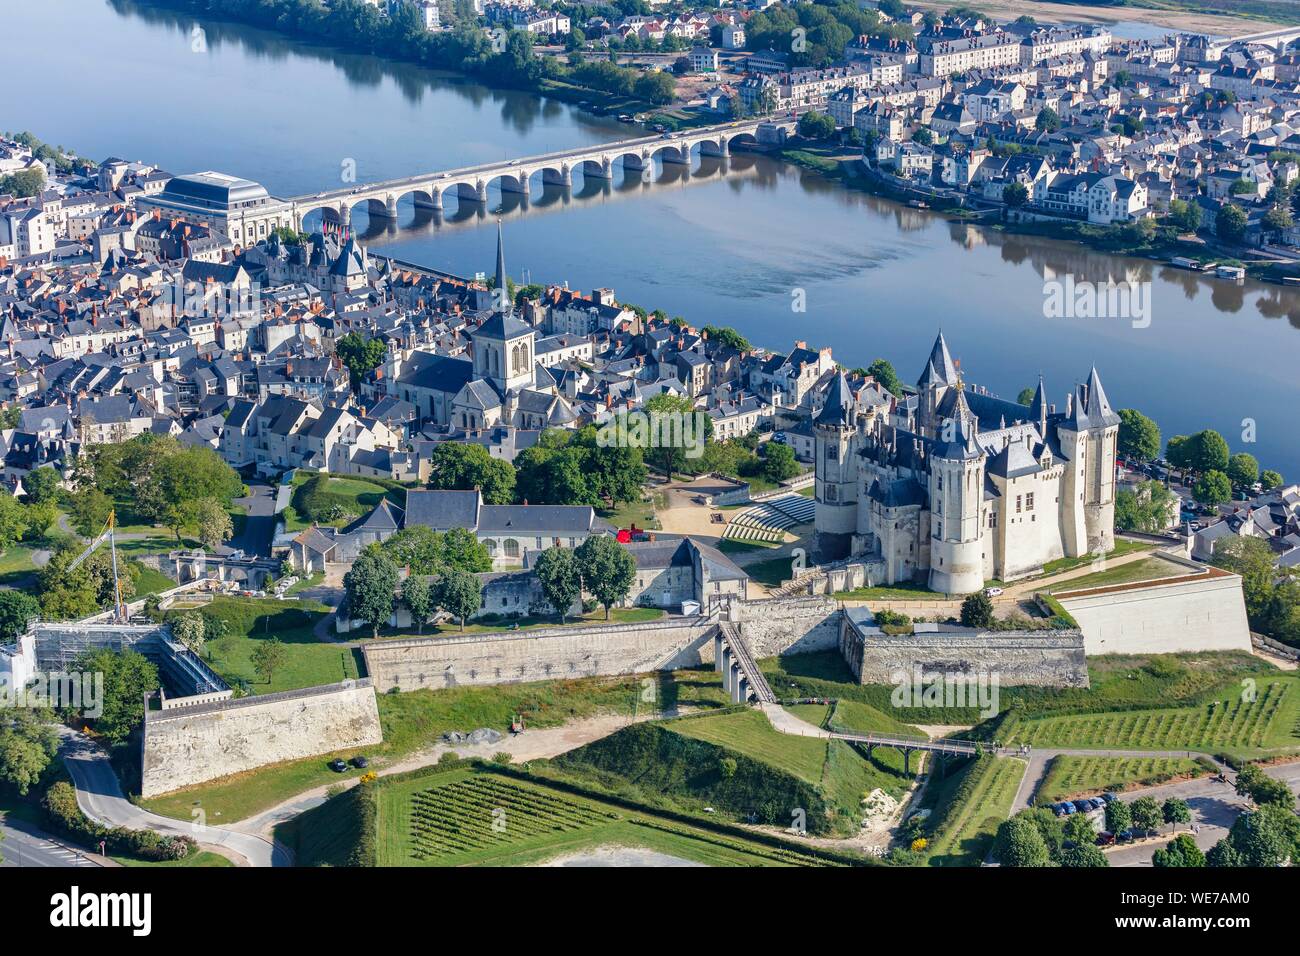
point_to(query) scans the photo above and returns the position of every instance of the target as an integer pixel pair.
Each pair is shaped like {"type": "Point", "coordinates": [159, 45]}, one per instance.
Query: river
{"type": "Point", "coordinates": [742, 244]}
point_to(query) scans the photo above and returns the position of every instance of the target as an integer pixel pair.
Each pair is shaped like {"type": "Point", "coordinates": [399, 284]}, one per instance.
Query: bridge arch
{"type": "Point", "coordinates": [748, 139]}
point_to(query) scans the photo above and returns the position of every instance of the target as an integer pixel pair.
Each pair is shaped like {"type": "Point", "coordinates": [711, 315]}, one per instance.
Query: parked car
{"type": "Point", "coordinates": [1067, 808]}
{"type": "Point", "coordinates": [1105, 838]}
{"type": "Point", "coordinates": [338, 766]}
{"type": "Point", "coordinates": [1108, 797]}
{"type": "Point", "coordinates": [992, 592]}
{"type": "Point", "coordinates": [360, 762]}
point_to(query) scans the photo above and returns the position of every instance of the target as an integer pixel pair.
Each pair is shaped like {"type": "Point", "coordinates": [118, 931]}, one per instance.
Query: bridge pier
{"type": "Point", "coordinates": [677, 156]}
{"type": "Point", "coordinates": [511, 184]}
{"type": "Point", "coordinates": [606, 169]}
{"type": "Point", "coordinates": [385, 208]}
{"type": "Point", "coordinates": [434, 200]}
{"type": "Point", "coordinates": [742, 689]}
{"type": "Point", "coordinates": [561, 177]}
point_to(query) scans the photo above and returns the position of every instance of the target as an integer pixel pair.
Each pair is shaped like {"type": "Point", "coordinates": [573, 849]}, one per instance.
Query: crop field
{"type": "Point", "coordinates": [1086, 776]}
{"type": "Point", "coordinates": [969, 809]}
{"type": "Point", "coordinates": [1269, 720]}
{"type": "Point", "coordinates": [478, 818]}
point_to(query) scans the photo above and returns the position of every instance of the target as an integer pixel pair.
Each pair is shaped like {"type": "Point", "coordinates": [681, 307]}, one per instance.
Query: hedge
{"type": "Point", "coordinates": [64, 816]}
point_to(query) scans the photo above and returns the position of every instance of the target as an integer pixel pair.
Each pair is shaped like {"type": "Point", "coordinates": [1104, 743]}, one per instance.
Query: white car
{"type": "Point", "coordinates": [992, 592]}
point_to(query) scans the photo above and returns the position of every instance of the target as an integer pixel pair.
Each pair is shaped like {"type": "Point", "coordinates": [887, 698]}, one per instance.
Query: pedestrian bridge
{"type": "Point", "coordinates": [470, 184]}
{"type": "Point", "coordinates": [741, 677]}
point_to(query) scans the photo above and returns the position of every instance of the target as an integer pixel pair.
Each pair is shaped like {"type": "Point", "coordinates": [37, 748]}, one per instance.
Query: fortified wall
{"type": "Point", "coordinates": [795, 626]}
{"type": "Point", "coordinates": [1203, 610]}
{"type": "Point", "coordinates": [189, 744]}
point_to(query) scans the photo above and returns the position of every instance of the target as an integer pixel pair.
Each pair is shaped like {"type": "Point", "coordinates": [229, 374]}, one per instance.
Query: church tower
{"type": "Point", "coordinates": [956, 493]}
{"type": "Point", "coordinates": [504, 345]}
{"type": "Point", "coordinates": [836, 471]}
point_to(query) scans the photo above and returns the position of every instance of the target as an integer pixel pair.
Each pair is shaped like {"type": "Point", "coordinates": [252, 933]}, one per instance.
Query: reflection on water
{"type": "Point", "coordinates": [732, 242]}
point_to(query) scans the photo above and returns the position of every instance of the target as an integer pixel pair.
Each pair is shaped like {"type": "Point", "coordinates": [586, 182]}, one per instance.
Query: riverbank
{"type": "Point", "coordinates": [1190, 17]}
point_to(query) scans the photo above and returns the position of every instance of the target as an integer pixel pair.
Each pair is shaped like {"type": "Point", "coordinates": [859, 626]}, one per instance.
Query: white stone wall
{"type": "Point", "coordinates": [194, 744]}
{"type": "Point", "coordinates": [1205, 614]}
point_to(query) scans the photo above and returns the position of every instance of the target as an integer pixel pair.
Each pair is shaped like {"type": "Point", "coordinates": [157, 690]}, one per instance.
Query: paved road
{"type": "Point", "coordinates": [100, 796]}
{"type": "Point", "coordinates": [1214, 807]}
{"type": "Point", "coordinates": [259, 527]}
{"type": "Point", "coordinates": [25, 845]}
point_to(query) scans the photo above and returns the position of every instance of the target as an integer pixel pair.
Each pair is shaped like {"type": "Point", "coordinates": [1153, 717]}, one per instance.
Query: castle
{"type": "Point", "coordinates": [955, 487]}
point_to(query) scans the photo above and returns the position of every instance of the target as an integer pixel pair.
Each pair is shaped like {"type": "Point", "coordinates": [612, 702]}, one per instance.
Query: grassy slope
{"type": "Point", "coordinates": [967, 807]}
{"type": "Point", "coordinates": [749, 732]}
{"type": "Point", "coordinates": [308, 662]}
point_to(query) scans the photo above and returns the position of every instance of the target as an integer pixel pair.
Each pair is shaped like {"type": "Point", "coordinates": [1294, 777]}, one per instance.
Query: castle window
{"type": "Point", "coordinates": [831, 452]}
{"type": "Point", "coordinates": [1018, 498]}
{"type": "Point", "coordinates": [1029, 501]}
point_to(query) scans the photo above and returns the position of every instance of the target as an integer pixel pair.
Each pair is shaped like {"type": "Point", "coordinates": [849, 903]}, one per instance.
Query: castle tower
{"type": "Point", "coordinates": [939, 375]}
{"type": "Point", "coordinates": [836, 472]}
{"type": "Point", "coordinates": [1072, 436]}
{"type": "Point", "coordinates": [956, 492]}
{"type": "Point", "coordinates": [1099, 494]}
{"type": "Point", "coordinates": [505, 345]}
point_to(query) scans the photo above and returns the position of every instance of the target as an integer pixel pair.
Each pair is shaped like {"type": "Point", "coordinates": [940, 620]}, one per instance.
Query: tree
{"type": "Point", "coordinates": [463, 467]}
{"type": "Point", "coordinates": [779, 463]}
{"type": "Point", "coordinates": [725, 335]}
{"type": "Point", "coordinates": [1212, 488]}
{"type": "Point", "coordinates": [1267, 836]}
{"type": "Point", "coordinates": [13, 521]}
{"type": "Point", "coordinates": [1270, 479]}
{"type": "Point", "coordinates": [1181, 851]}
{"type": "Point", "coordinates": [128, 677]}
{"type": "Point", "coordinates": [1079, 829]}
{"type": "Point", "coordinates": [417, 595]}
{"type": "Point", "coordinates": [1243, 470]}
{"type": "Point", "coordinates": [1084, 855]}
{"type": "Point", "coordinates": [977, 610]}
{"type": "Point", "coordinates": [370, 586]}
{"type": "Point", "coordinates": [23, 184]}
{"type": "Point", "coordinates": [28, 742]}
{"type": "Point", "coordinates": [1015, 195]}
{"type": "Point", "coordinates": [670, 456]}
{"type": "Point", "coordinates": [924, 136]}
{"type": "Point", "coordinates": [1146, 814]}
{"type": "Point", "coordinates": [268, 657]}
{"type": "Point", "coordinates": [1185, 216]}
{"type": "Point", "coordinates": [1175, 811]}
{"type": "Point", "coordinates": [1139, 436]}
{"type": "Point", "coordinates": [557, 572]}
{"type": "Point", "coordinates": [1230, 223]}
{"type": "Point", "coordinates": [1019, 843]}
{"type": "Point", "coordinates": [89, 510]}
{"type": "Point", "coordinates": [1278, 219]}
{"type": "Point", "coordinates": [41, 484]}
{"type": "Point", "coordinates": [360, 356]}
{"type": "Point", "coordinates": [1149, 506]}
{"type": "Point", "coordinates": [68, 594]}
{"type": "Point", "coordinates": [1118, 816]}
{"type": "Point", "coordinates": [883, 372]}
{"type": "Point", "coordinates": [459, 593]}
{"type": "Point", "coordinates": [189, 628]}
{"type": "Point", "coordinates": [1047, 120]}
{"type": "Point", "coordinates": [17, 610]}
{"type": "Point", "coordinates": [607, 570]}
{"type": "Point", "coordinates": [814, 125]}
{"type": "Point", "coordinates": [1025, 396]}
{"type": "Point", "coordinates": [1178, 451]}
{"type": "Point", "coordinates": [212, 522]}
{"type": "Point", "coordinates": [1207, 451]}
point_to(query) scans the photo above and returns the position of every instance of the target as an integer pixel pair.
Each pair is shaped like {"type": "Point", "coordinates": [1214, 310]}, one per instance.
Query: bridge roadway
{"type": "Point", "coordinates": [470, 183]}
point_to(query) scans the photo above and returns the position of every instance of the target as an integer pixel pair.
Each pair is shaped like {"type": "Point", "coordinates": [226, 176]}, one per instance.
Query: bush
{"type": "Point", "coordinates": [64, 816]}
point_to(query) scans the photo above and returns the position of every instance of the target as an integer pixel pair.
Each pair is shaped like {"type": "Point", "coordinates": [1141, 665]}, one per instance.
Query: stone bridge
{"type": "Point", "coordinates": [741, 677]}
{"type": "Point", "coordinates": [187, 566]}
{"type": "Point", "coordinates": [470, 183]}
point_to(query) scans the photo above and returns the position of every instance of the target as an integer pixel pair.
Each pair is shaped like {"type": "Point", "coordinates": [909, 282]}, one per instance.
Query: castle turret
{"type": "Point", "coordinates": [836, 472]}
{"type": "Point", "coordinates": [939, 375]}
{"type": "Point", "coordinates": [1099, 489]}
{"type": "Point", "coordinates": [956, 492]}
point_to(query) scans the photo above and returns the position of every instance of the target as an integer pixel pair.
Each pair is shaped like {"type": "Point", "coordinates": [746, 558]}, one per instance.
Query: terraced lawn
{"type": "Point", "coordinates": [749, 732]}
{"type": "Point", "coordinates": [1069, 777]}
{"type": "Point", "coordinates": [1232, 722]}
{"type": "Point", "coordinates": [969, 809]}
{"type": "Point", "coordinates": [1148, 569]}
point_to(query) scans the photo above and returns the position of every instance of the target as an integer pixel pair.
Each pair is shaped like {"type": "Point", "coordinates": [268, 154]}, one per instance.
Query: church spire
{"type": "Point", "coordinates": [501, 259]}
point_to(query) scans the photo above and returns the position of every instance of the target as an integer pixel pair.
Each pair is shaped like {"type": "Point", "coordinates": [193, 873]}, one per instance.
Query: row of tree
{"type": "Point", "coordinates": [600, 566]}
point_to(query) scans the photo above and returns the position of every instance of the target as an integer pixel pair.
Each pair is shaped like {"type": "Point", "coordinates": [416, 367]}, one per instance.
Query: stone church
{"type": "Point", "coordinates": [954, 487]}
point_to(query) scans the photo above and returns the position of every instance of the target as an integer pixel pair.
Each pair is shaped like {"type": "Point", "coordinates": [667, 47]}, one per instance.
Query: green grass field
{"type": "Point", "coordinates": [16, 565]}
{"type": "Point", "coordinates": [771, 573]}
{"type": "Point", "coordinates": [1069, 777]}
{"type": "Point", "coordinates": [1229, 722]}
{"type": "Point", "coordinates": [356, 495]}
{"type": "Point", "coordinates": [967, 808]}
{"type": "Point", "coordinates": [308, 662]}
{"type": "Point", "coordinates": [1147, 569]}
{"type": "Point", "coordinates": [204, 859]}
